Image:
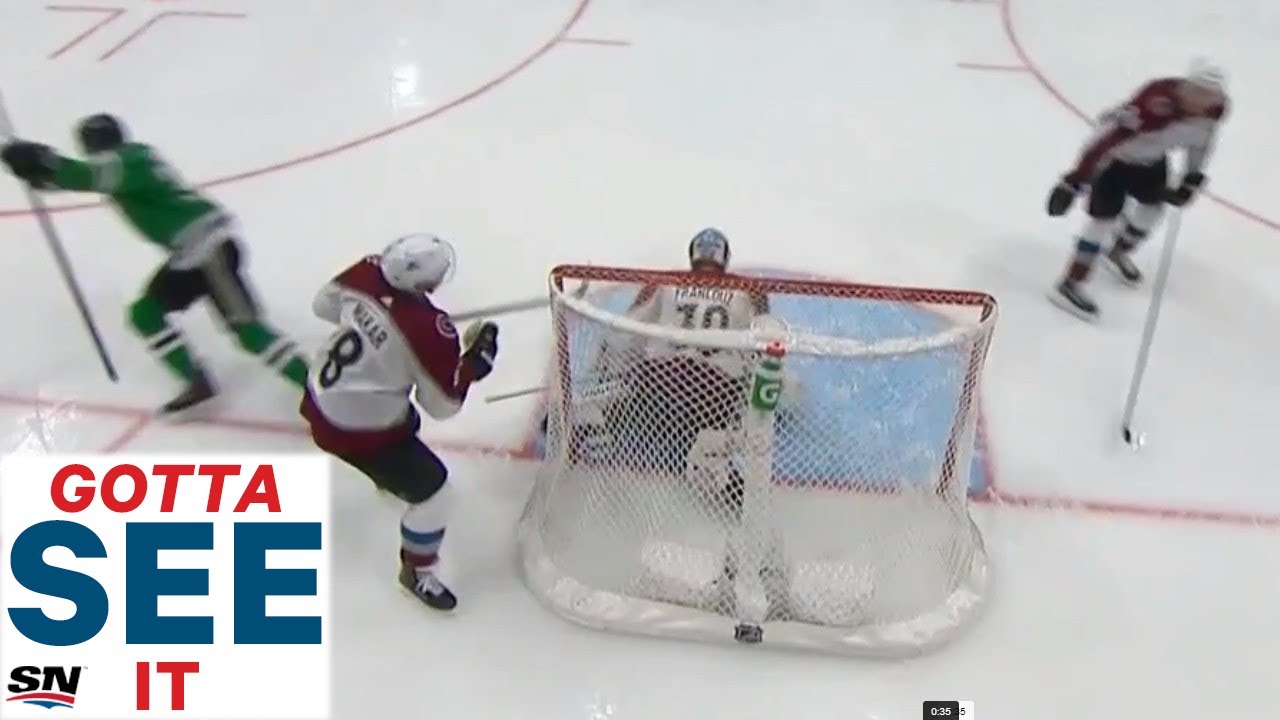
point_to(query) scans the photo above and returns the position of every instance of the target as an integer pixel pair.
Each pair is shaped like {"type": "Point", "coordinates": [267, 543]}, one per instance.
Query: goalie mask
{"type": "Point", "coordinates": [709, 247]}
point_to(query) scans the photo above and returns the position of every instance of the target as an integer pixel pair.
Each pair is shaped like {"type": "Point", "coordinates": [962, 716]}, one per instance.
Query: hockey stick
{"type": "Point", "coordinates": [515, 394]}
{"type": "Point", "coordinates": [1149, 329]}
{"type": "Point", "coordinates": [504, 309]}
{"type": "Point", "coordinates": [578, 292]}
{"type": "Point", "coordinates": [60, 255]}
{"type": "Point", "coordinates": [511, 307]}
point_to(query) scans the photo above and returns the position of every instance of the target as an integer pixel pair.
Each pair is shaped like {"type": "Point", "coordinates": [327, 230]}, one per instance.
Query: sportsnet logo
{"type": "Point", "coordinates": [177, 584]}
{"type": "Point", "coordinates": [46, 687]}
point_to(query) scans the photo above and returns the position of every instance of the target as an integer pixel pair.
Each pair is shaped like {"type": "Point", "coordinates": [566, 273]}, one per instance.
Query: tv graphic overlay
{"type": "Point", "coordinates": [141, 586]}
{"type": "Point", "coordinates": [46, 687]}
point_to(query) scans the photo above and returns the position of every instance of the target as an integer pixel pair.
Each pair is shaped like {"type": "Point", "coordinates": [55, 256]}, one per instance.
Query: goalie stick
{"type": "Point", "coordinates": [1135, 440]}
{"type": "Point", "coordinates": [60, 255]}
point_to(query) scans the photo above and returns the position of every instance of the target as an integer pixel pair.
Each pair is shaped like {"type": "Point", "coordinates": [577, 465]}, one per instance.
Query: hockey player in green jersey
{"type": "Point", "coordinates": [204, 255]}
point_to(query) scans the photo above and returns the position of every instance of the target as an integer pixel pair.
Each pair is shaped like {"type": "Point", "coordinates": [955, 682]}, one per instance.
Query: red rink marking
{"type": "Point", "coordinates": [155, 19]}
{"type": "Point", "coordinates": [579, 10]}
{"type": "Point", "coordinates": [994, 495]}
{"type": "Point", "coordinates": [112, 13]}
{"type": "Point", "coordinates": [1011, 33]}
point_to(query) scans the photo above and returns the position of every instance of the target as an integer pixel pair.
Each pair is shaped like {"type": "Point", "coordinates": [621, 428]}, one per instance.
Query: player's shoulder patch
{"type": "Point", "coordinates": [1159, 105]}
{"type": "Point", "coordinates": [445, 326]}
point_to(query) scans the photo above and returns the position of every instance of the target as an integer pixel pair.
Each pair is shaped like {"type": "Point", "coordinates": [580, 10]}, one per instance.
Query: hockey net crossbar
{"type": "Point", "coordinates": [685, 486]}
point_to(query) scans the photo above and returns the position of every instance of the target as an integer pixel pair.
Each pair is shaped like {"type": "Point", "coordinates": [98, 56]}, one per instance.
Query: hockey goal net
{"type": "Point", "coordinates": [803, 482]}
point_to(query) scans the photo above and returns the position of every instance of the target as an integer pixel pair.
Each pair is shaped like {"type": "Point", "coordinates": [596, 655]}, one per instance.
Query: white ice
{"type": "Point", "coordinates": [840, 136]}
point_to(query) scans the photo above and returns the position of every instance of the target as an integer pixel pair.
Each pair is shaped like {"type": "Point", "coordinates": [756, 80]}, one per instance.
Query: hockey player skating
{"type": "Point", "coordinates": [393, 344]}
{"type": "Point", "coordinates": [205, 257]}
{"type": "Point", "coordinates": [1127, 157]}
{"type": "Point", "coordinates": [671, 395]}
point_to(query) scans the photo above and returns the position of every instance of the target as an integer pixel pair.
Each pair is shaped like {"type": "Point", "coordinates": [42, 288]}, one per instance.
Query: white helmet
{"type": "Point", "coordinates": [1207, 75]}
{"type": "Point", "coordinates": [418, 263]}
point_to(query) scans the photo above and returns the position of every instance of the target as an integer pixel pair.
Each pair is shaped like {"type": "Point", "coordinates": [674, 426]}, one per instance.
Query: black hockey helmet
{"type": "Point", "coordinates": [709, 245]}
{"type": "Point", "coordinates": [100, 132]}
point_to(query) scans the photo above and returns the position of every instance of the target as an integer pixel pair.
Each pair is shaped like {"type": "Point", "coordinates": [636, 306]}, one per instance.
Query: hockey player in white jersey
{"type": "Point", "coordinates": [707, 308]}
{"type": "Point", "coordinates": [393, 345]}
{"type": "Point", "coordinates": [670, 395]}
{"type": "Point", "coordinates": [1127, 158]}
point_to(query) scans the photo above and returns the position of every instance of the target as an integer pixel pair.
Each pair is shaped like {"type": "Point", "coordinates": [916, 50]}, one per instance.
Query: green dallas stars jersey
{"type": "Point", "coordinates": [150, 196]}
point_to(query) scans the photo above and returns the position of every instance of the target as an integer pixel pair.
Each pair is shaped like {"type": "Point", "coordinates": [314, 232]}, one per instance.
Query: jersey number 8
{"type": "Point", "coordinates": [344, 351]}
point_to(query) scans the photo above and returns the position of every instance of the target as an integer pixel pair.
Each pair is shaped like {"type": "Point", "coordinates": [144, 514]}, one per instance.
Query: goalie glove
{"type": "Point", "coordinates": [1187, 191]}
{"type": "Point", "coordinates": [30, 161]}
{"type": "Point", "coordinates": [481, 343]}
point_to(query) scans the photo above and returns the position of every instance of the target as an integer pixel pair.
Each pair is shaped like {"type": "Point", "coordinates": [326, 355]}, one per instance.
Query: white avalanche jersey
{"type": "Point", "coordinates": [1143, 131]}
{"type": "Point", "coordinates": [389, 346]}
{"type": "Point", "coordinates": [699, 308]}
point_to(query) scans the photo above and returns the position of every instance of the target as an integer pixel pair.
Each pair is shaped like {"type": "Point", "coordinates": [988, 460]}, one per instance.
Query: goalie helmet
{"type": "Point", "coordinates": [709, 247]}
{"type": "Point", "coordinates": [100, 132]}
{"type": "Point", "coordinates": [418, 263]}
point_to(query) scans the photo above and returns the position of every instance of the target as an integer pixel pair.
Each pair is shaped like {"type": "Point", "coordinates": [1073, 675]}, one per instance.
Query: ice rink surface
{"type": "Point", "coordinates": [907, 141]}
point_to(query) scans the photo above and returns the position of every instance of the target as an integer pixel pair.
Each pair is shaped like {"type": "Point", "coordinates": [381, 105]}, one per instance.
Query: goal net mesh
{"type": "Point", "coordinates": [802, 481]}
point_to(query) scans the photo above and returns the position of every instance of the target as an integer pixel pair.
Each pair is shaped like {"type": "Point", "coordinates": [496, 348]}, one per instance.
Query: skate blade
{"type": "Point", "coordinates": [1115, 272]}
{"type": "Point", "coordinates": [1064, 304]}
{"type": "Point", "coordinates": [200, 412]}
{"type": "Point", "coordinates": [423, 603]}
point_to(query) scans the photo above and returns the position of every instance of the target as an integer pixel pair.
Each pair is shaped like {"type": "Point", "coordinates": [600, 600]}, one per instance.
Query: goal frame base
{"type": "Point", "coordinates": [605, 610]}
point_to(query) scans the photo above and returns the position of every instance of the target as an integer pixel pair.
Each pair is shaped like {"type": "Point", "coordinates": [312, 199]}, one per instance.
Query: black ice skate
{"type": "Point", "coordinates": [1119, 262]}
{"type": "Point", "coordinates": [423, 584]}
{"type": "Point", "coordinates": [1068, 296]}
{"type": "Point", "coordinates": [198, 391]}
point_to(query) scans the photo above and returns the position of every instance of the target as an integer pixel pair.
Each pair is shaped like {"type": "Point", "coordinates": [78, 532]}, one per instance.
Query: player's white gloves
{"type": "Point", "coordinates": [480, 341]}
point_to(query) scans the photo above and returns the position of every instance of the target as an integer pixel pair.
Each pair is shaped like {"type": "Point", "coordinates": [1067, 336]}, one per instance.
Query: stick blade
{"type": "Point", "coordinates": [1132, 439]}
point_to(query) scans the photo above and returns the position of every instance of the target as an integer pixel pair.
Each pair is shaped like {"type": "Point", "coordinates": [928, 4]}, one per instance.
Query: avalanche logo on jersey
{"type": "Point", "coordinates": [445, 326]}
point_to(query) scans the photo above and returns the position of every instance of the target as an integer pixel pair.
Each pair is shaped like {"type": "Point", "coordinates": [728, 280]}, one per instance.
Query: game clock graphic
{"type": "Point", "coordinates": [162, 586]}
{"type": "Point", "coordinates": [948, 709]}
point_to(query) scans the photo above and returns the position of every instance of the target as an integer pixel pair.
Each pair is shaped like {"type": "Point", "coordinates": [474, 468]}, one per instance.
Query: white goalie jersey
{"type": "Point", "coordinates": [699, 308]}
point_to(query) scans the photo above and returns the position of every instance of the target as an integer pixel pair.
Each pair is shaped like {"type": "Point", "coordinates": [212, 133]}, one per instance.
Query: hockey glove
{"type": "Point", "coordinates": [482, 349]}
{"type": "Point", "coordinates": [30, 161]}
{"type": "Point", "coordinates": [1061, 197]}
{"type": "Point", "coordinates": [1187, 191]}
